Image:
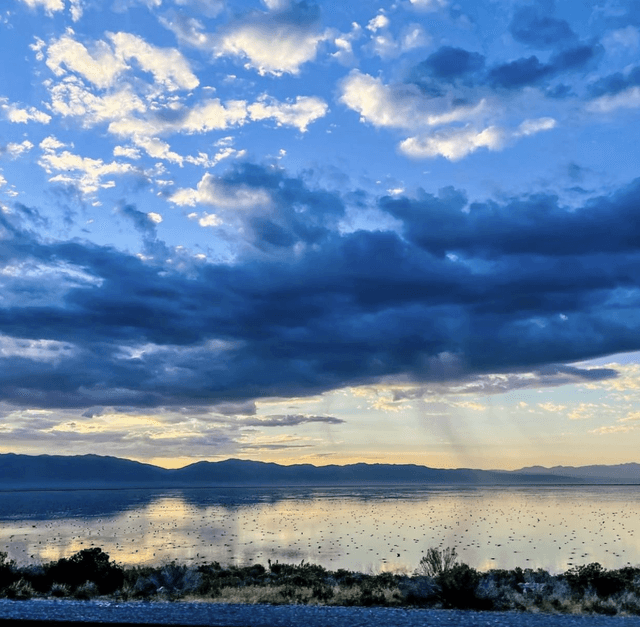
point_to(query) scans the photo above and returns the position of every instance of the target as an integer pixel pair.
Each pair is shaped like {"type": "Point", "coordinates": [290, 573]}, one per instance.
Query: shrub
{"type": "Point", "coordinates": [87, 565]}
{"type": "Point", "coordinates": [436, 562]}
{"type": "Point", "coordinates": [88, 590]}
{"type": "Point", "coordinates": [629, 603]}
{"type": "Point", "coordinates": [322, 592]}
{"type": "Point", "coordinates": [7, 570]}
{"type": "Point", "coordinates": [59, 590]}
{"type": "Point", "coordinates": [594, 577]}
{"type": "Point", "coordinates": [419, 590]}
{"type": "Point", "coordinates": [458, 588]}
{"type": "Point", "coordinates": [347, 578]}
{"type": "Point", "coordinates": [20, 590]}
{"type": "Point", "coordinates": [172, 580]}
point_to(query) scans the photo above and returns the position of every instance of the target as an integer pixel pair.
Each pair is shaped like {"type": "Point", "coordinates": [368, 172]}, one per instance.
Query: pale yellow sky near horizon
{"type": "Point", "coordinates": [492, 422]}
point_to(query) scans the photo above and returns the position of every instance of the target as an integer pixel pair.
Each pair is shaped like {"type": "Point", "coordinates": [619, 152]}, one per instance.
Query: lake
{"type": "Point", "coordinates": [370, 529]}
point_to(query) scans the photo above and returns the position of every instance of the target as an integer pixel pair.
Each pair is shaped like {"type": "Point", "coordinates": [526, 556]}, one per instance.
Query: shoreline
{"type": "Point", "coordinates": [48, 612]}
{"type": "Point", "coordinates": [439, 582]}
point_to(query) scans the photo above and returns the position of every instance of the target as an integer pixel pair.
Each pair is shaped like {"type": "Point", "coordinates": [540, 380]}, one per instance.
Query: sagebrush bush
{"type": "Point", "coordinates": [419, 590]}
{"type": "Point", "coordinates": [20, 590]}
{"type": "Point", "coordinates": [88, 590]}
{"type": "Point", "coordinates": [7, 570]}
{"type": "Point", "coordinates": [436, 562]}
{"type": "Point", "coordinates": [87, 565]}
{"type": "Point", "coordinates": [59, 590]}
{"type": "Point", "coordinates": [90, 573]}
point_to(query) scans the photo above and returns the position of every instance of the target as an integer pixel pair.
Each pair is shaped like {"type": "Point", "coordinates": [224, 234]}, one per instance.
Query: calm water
{"type": "Point", "coordinates": [370, 529]}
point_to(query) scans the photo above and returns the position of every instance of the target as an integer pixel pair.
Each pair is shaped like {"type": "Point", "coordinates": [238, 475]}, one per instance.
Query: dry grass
{"type": "Point", "coordinates": [439, 582]}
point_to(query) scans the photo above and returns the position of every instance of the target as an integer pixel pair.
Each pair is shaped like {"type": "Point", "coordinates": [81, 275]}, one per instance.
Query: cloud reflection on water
{"type": "Point", "coordinates": [374, 529]}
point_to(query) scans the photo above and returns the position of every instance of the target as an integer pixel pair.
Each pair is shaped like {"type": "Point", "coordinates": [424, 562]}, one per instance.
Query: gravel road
{"type": "Point", "coordinates": [231, 615]}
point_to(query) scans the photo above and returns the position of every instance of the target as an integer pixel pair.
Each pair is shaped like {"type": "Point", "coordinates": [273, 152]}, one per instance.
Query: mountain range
{"type": "Point", "coordinates": [95, 471]}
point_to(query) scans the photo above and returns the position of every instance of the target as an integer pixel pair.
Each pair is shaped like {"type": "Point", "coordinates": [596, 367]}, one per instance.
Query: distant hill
{"type": "Point", "coordinates": [83, 471]}
{"type": "Point", "coordinates": [619, 473]}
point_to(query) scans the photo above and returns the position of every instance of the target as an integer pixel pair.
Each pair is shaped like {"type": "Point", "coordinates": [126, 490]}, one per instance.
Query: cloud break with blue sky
{"type": "Point", "coordinates": [399, 232]}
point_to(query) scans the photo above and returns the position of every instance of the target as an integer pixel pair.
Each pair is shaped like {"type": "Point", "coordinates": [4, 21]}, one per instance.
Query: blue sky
{"type": "Point", "coordinates": [333, 232]}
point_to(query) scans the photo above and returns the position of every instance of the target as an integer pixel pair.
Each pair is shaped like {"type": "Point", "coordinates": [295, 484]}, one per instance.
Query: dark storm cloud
{"type": "Point", "coordinates": [449, 67]}
{"type": "Point", "coordinates": [531, 27]}
{"type": "Point", "coordinates": [615, 83]}
{"type": "Point", "coordinates": [518, 73]}
{"type": "Point", "coordinates": [536, 225]}
{"type": "Point", "coordinates": [530, 71]}
{"type": "Point", "coordinates": [302, 215]}
{"type": "Point", "coordinates": [140, 220]}
{"type": "Point", "coordinates": [449, 63]}
{"type": "Point", "coordinates": [463, 290]}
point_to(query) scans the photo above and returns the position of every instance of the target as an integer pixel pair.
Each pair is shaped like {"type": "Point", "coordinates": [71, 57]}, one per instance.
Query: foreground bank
{"type": "Point", "coordinates": [46, 611]}
{"type": "Point", "coordinates": [439, 582]}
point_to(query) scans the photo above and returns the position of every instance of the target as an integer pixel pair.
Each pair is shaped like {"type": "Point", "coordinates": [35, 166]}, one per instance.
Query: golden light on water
{"type": "Point", "coordinates": [360, 529]}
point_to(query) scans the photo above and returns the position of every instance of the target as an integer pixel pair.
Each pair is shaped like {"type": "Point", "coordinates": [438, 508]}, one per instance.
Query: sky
{"type": "Point", "coordinates": [327, 233]}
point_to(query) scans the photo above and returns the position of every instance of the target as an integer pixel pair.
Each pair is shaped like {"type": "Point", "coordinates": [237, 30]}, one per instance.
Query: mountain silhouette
{"type": "Point", "coordinates": [59, 471]}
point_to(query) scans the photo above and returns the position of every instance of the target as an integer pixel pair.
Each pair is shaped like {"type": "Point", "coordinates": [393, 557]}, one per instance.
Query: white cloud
{"type": "Point", "coordinates": [299, 114]}
{"type": "Point", "coordinates": [168, 65]}
{"type": "Point", "coordinates": [18, 115]}
{"type": "Point", "coordinates": [531, 127]}
{"type": "Point", "coordinates": [271, 45]}
{"type": "Point", "coordinates": [71, 98]}
{"type": "Point", "coordinates": [76, 9]}
{"type": "Point", "coordinates": [51, 143]}
{"type": "Point", "coordinates": [583, 411]}
{"type": "Point", "coordinates": [101, 66]}
{"type": "Point", "coordinates": [16, 150]}
{"type": "Point", "coordinates": [50, 6]}
{"type": "Point", "coordinates": [188, 30]}
{"type": "Point", "coordinates": [158, 149]}
{"type": "Point", "coordinates": [552, 407]}
{"type": "Point", "coordinates": [454, 144]}
{"type": "Point", "coordinates": [278, 42]}
{"type": "Point", "coordinates": [205, 161]}
{"type": "Point", "coordinates": [216, 192]}
{"type": "Point", "coordinates": [214, 115]}
{"type": "Point", "coordinates": [38, 46]}
{"type": "Point", "coordinates": [87, 174]}
{"type": "Point", "coordinates": [384, 44]}
{"type": "Point", "coordinates": [406, 106]}
{"type": "Point", "coordinates": [629, 99]}
{"type": "Point", "coordinates": [209, 115]}
{"type": "Point", "coordinates": [53, 6]}
{"type": "Point", "coordinates": [209, 219]}
{"type": "Point", "coordinates": [378, 22]}
{"type": "Point", "coordinates": [342, 42]}
{"type": "Point", "coordinates": [104, 63]}
{"type": "Point", "coordinates": [277, 5]}
{"type": "Point", "coordinates": [400, 106]}
{"type": "Point", "coordinates": [126, 151]}
{"type": "Point", "coordinates": [429, 5]}
{"type": "Point", "coordinates": [156, 218]}
{"type": "Point", "coordinates": [413, 36]}
{"type": "Point", "coordinates": [344, 54]}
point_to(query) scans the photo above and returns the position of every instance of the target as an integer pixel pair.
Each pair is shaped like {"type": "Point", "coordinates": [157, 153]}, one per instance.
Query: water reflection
{"type": "Point", "coordinates": [369, 529]}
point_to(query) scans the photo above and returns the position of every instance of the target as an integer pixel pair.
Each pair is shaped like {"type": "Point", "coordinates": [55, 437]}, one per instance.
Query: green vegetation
{"type": "Point", "coordinates": [438, 582]}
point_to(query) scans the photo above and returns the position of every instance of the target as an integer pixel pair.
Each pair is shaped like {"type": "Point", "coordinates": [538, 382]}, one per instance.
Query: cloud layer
{"type": "Point", "coordinates": [425, 304]}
